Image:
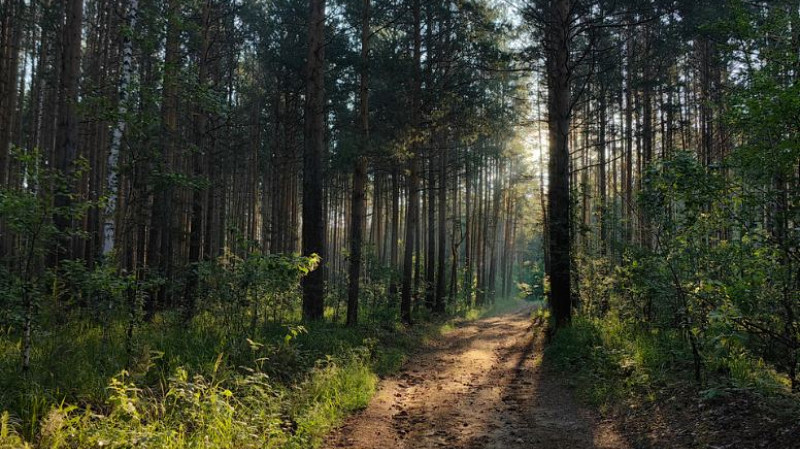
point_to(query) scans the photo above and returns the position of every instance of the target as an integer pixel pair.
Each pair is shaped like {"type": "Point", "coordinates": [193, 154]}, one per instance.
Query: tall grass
{"type": "Point", "coordinates": [196, 384]}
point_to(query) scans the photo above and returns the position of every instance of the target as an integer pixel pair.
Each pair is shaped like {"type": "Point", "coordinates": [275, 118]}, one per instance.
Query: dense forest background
{"type": "Point", "coordinates": [190, 187]}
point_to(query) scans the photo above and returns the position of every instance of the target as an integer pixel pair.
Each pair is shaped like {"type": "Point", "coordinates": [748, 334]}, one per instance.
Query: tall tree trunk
{"type": "Point", "coordinates": [314, 151]}
{"type": "Point", "coordinates": [430, 252]}
{"type": "Point", "coordinates": [412, 211]}
{"type": "Point", "coordinates": [647, 138]}
{"type": "Point", "coordinates": [628, 169]}
{"type": "Point", "coordinates": [479, 234]}
{"type": "Point", "coordinates": [160, 244]}
{"type": "Point", "coordinates": [559, 104]}
{"type": "Point", "coordinates": [376, 223]}
{"type": "Point", "coordinates": [706, 55]}
{"type": "Point", "coordinates": [468, 254]}
{"type": "Point", "coordinates": [67, 128]}
{"type": "Point", "coordinates": [10, 35]}
{"type": "Point", "coordinates": [112, 184]}
{"type": "Point", "coordinates": [359, 175]}
{"type": "Point", "coordinates": [439, 305]}
{"type": "Point", "coordinates": [198, 246]}
{"type": "Point", "coordinates": [394, 244]}
{"type": "Point", "coordinates": [492, 224]}
{"type": "Point", "coordinates": [457, 235]}
{"type": "Point", "coordinates": [601, 173]}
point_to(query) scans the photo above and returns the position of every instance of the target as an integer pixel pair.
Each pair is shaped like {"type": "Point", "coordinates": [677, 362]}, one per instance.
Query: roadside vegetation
{"type": "Point", "coordinates": [684, 282]}
{"type": "Point", "coordinates": [243, 372]}
{"type": "Point", "coordinates": [642, 379]}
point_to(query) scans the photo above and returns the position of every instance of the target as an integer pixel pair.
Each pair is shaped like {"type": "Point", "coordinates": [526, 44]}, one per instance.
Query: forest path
{"type": "Point", "coordinates": [480, 386]}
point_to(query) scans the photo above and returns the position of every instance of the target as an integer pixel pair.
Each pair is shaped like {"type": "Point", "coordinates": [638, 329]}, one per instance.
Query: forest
{"type": "Point", "coordinates": [399, 223]}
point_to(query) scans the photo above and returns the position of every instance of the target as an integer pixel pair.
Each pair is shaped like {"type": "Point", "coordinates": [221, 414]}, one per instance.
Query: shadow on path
{"type": "Point", "coordinates": [480, 386]}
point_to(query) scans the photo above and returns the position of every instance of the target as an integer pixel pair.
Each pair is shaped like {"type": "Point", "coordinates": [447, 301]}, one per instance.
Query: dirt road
{"type": "Point", "coordinates": [480, 386]}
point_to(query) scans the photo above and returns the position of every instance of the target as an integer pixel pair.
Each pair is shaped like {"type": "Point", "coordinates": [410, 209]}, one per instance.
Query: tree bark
{"type": "Point", "coordinates": [67, 127]}
{"type": "Point", "coordinates": [430, 251]}
{"type": "Point", "coordinates": [601, 173]}
{"type": "Point", "coordinates": [559, 115]}
{"type": "Point", "coordinates": [160, 245]}
{"type": "Point", "coordinates": [412, 211]}
{"type": "Point", "coordinates": [359, 175]}
{"type": "Point", "coordinates": [112, 183]}
{"type": "Point", "coordinates": [439, 304]}
{"type": "Point", "coordinates": [394, 243]}
{"type": "Point", "coordinates": [10, 35]}
{"type": "Point", "coordinates": [314, 150]}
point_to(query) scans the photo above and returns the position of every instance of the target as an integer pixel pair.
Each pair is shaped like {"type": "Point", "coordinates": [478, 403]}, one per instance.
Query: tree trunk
{"type": "Point", "coordinates": [627, 172]}
{"type": "Point", "coordinates": [112, 185]}
{"type": "Point", "coordinates": [601, 174]}
{"type": "Point", "coordinates": [439, 305]}
{"type": "Point", "coordinates": [67, 128]}
{"type": "Point", "coordinates": [314, 150]}
{"type": "Point", "coordinates": [394, 243]}
{"type": "Point", "coordinates": [468, 254]}
{"type": "Point", "coordinates": [359, 175]}
{"type": "Point", "coordinates": [160, 244]}
{"type": "Point", "coordinates": [10, 35]}
{"type": "Point", "coordinates": [412, 212]}
{"type": "Point", "coordinates": [559, 105]}
{"type": "Point", "coordinates": [430, 252]}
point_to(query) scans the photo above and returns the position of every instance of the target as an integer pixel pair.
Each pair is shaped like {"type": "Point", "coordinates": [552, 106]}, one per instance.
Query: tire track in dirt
{"type": "Point", "coordinates": [479, 386]}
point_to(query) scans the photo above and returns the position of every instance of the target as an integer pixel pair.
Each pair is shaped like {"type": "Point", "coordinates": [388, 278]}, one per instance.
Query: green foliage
{"type": "Point", "coordinates": [721, 288]}
{"type": "Point", "coordinates": [206, 382]}
{"type": "Point", "coordinates": [29, 216]}
{"type": "Point", "coordinates": [710, 257]}
{"type": "Point", "coordinates": [267, 284]}
{"type": "Point", "coordinates": [287, 392]}
{"type": "Point", "coordinates": [536, 285]}
{"type": "Point", "coordinates": [613, 360]}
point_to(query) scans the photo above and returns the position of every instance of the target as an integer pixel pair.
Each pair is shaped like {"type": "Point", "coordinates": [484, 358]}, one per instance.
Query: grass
{"type": "Point", "coordinates": [209, 383]}
{"type": "Point", "coordinates": [611, 362]}
{"type": "Point", "coordinates": [195, 386]}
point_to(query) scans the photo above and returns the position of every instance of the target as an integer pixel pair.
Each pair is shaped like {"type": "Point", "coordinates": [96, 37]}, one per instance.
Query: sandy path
{"type": "Point", "coordinates": [480, 386]}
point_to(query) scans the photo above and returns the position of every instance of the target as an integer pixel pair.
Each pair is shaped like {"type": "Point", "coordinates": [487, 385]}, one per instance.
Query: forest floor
{"type": "Point", "coordinates": [481, 385]}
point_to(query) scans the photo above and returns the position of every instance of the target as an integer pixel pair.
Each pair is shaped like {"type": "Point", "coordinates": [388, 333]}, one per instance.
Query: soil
{"type": "Point", "coordinates": [481, 385]}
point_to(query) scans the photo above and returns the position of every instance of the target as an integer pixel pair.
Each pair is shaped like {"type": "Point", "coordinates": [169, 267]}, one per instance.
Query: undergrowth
{"type": "Point", "coordinates": [194, 385]}
{"type": "Point", "coordinates": [201, 383]}
{"type": "Point", "coordinates": [611, 362]}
